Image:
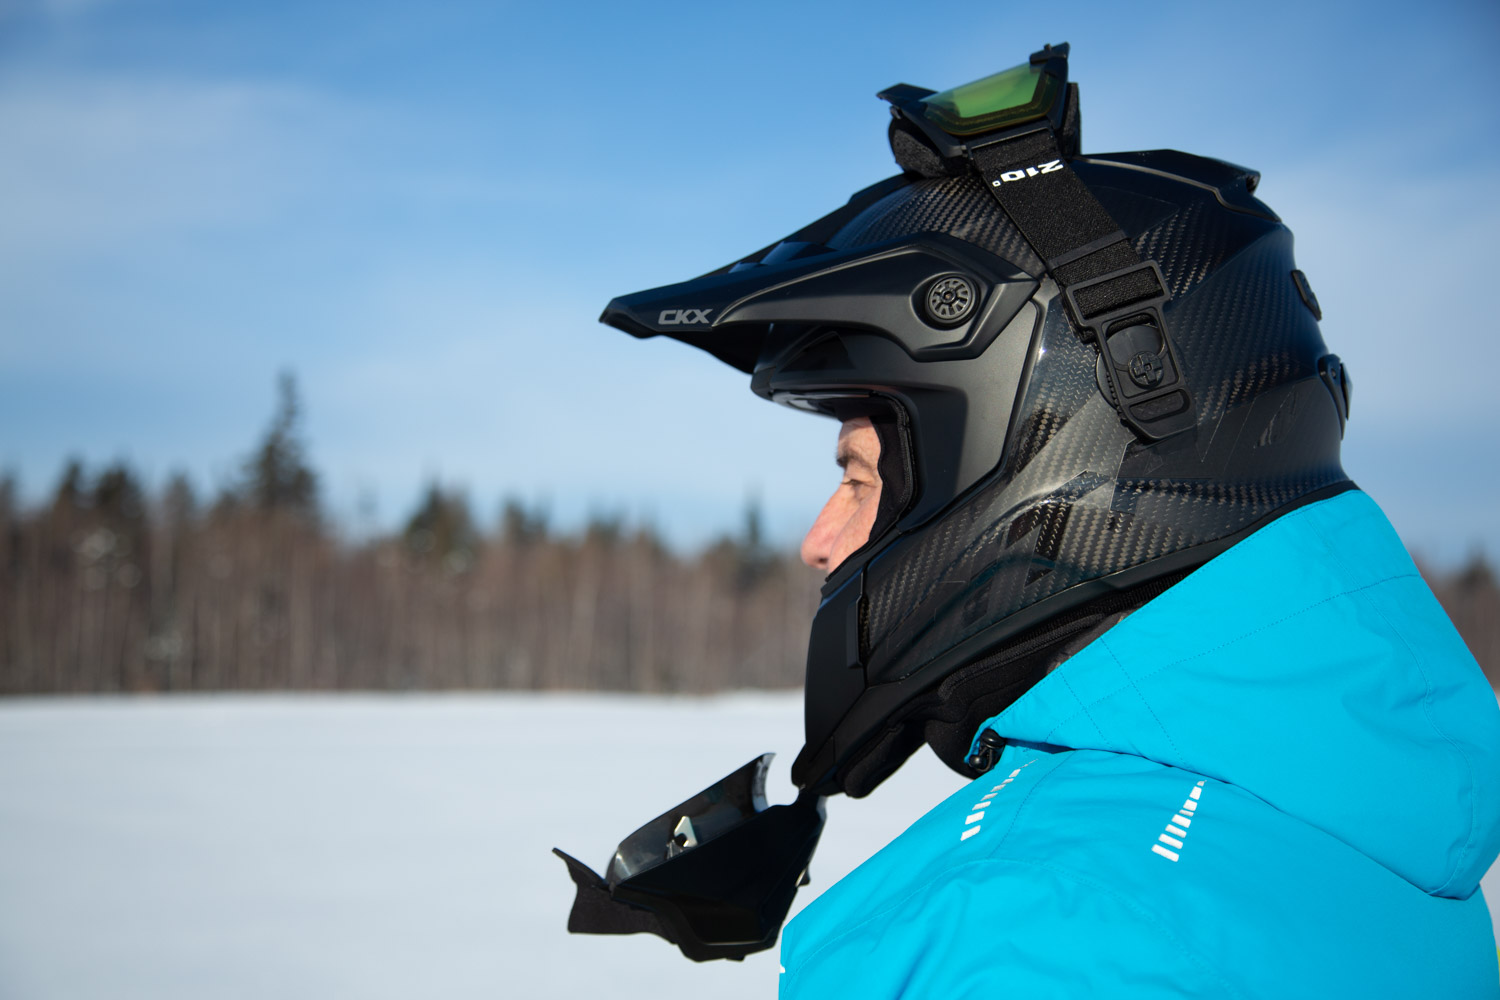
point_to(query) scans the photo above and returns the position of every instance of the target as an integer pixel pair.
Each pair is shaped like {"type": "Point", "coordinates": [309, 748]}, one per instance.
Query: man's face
{"type": "Point", "coordinates": [846, 519]}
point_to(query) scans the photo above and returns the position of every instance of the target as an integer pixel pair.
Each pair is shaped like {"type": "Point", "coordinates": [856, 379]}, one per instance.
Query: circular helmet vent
{"type": "Point", "coordinates": [950, 299]}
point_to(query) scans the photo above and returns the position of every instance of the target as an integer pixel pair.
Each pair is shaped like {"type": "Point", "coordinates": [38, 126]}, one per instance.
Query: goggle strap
{"type": "Point", "coordinates": [1104, 283]}
{"type": "Point", "coordinates": [1047, 201]}
{"type": "Point", "coordinates": [1056, 212]}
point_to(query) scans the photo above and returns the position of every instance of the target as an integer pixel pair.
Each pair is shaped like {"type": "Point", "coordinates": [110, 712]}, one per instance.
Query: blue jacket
{"type": "Point", "coordinates": [1280, 778]}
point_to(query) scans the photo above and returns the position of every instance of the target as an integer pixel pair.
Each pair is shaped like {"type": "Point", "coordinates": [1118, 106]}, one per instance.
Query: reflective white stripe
{"type": "Point", "coordinates": [1015, 772]}
{"type": "Point", "coordinates": [782, 968]}
{"type": "Point", "coordinates": [991, 795]}
{"type": "Point", "coordinates": [1178, 827]}
{"type": "Point", "coordinates": [974, 818]}
{"type": "Point", "coordinates": [969, 833]}
{"type": "Point", "coordinates": [981, 805]}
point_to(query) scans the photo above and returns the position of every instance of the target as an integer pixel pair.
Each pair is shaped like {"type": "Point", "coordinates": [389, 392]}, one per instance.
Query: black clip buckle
{"type": "Point", "coordinates": [1138, 370]}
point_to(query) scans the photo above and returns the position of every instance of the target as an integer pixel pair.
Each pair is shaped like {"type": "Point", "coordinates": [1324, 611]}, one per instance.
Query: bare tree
{"type": "Point", "coordinates": [104, 588]}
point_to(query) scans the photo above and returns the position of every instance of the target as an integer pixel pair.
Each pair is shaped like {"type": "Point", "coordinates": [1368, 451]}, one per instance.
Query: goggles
{"type": "Point", "coordinates": [953, 121]}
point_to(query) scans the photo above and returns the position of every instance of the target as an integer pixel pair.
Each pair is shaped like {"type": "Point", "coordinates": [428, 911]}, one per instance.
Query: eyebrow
{"type": "Point", "coordinates": [847, 456]}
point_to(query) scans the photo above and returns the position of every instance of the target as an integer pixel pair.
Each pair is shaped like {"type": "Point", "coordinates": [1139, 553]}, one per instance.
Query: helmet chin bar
{"type": "Point", "coordinates": [714, 875]}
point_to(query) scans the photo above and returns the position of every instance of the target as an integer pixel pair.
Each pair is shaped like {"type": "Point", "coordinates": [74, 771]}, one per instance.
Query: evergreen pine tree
{"type": "Point", "coordinates": [277, 476]}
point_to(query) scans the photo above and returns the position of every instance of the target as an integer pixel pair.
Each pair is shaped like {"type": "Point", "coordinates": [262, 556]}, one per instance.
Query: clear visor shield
{"type": "Point", "coordinates": [714, 875]}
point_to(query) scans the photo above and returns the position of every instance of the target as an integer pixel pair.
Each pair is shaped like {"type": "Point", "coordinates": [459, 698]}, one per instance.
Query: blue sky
{"type": "Point", "coordinates": [421, 209]}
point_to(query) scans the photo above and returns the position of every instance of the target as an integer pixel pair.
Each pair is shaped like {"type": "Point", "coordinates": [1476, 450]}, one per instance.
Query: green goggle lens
{"type": "Point", "coordinates": [1011, 97]}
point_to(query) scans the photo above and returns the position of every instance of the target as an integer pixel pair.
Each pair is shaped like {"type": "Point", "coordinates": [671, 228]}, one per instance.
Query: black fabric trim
{"type": "Point", "coordinates": [915, 154]}
{"type": "Point", "coordinates": [894, 469]}
{"type": "Point", "coordinates": [1112, 257]}
{"type": "Point", "coordinates": [1138, 285]}
{"type": "Point", "coordinates": [947, 716]}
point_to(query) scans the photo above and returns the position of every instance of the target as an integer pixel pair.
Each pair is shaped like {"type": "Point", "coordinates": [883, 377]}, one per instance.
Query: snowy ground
{"type": "Point", "coordinates": [369, 846]}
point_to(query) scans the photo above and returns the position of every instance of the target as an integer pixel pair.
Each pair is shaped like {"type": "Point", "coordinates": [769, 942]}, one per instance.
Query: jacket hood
{"type": "Point", "coordinates": [1311, 666]}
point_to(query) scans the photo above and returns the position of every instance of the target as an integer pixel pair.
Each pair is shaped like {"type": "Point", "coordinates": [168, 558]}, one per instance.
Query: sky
{"type": "Point", "coordinates": [420, 209]}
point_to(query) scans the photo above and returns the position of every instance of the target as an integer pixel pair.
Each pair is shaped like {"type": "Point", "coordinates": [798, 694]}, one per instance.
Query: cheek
{"type": "Point", "coordinates": [864, 518]}
{"type": "Point", "coordinates": [856, 529]}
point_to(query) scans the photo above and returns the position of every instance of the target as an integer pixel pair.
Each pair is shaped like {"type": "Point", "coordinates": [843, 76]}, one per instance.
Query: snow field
{"type": "Point", "coordinates": [369, 846]}
{"type": "Point", "coordinates": [372, 846]}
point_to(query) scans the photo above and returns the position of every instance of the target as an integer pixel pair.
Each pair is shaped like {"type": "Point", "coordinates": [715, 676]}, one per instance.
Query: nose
{"type": "Point", "coordinates": [817, 545]}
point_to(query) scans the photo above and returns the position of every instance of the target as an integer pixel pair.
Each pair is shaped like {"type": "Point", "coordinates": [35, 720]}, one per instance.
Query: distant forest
{"type": "Point", "coordinates": [109, 588]}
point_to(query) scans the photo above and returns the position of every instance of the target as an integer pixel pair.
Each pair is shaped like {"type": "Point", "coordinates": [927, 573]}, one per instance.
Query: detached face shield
{"type": "Point", "coordinates": [714, 875]}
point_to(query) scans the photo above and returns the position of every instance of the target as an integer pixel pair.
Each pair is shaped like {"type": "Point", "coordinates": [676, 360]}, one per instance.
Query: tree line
{"type": "Point", "coordinates": [108, 587]}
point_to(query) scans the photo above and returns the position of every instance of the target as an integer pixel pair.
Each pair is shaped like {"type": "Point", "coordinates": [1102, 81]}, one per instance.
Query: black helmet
{"type": "Point", "coordinates": [1089, 375]}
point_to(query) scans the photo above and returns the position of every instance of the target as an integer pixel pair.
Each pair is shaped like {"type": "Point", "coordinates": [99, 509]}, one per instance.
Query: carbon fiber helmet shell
{"type": "Point", "coordinates": [1026, 512]}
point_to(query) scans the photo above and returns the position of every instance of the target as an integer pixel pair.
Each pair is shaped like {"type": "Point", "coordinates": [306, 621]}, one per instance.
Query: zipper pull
{"type": "Point", "coordinates": [986, 751]}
